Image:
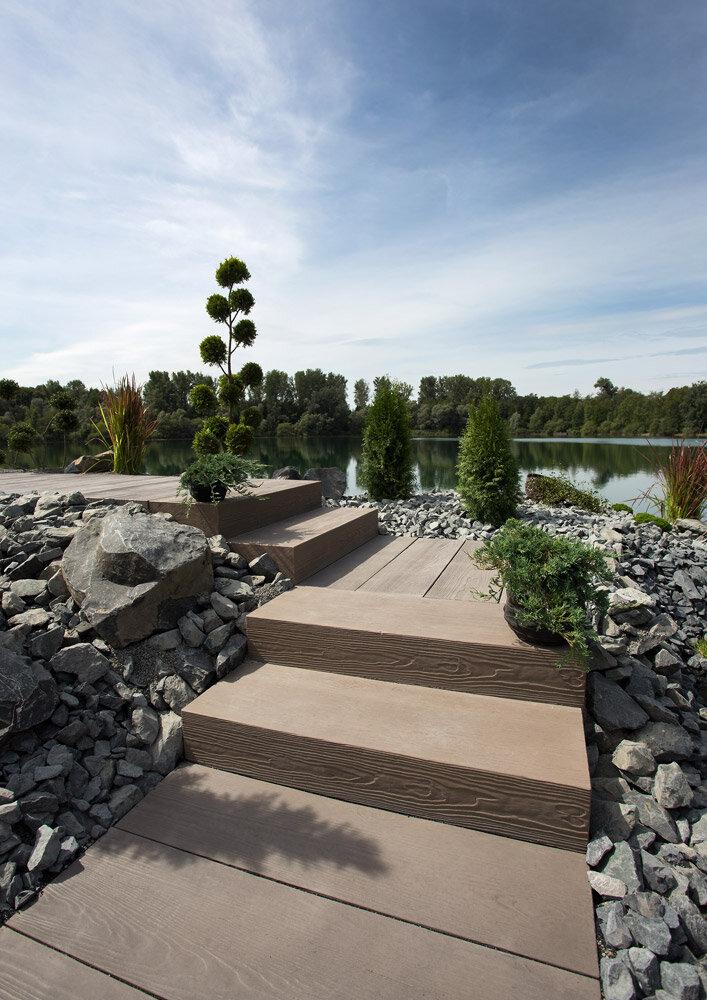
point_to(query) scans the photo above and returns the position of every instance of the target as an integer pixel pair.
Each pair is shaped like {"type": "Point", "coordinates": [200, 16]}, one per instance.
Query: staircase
{"type": "Point", "coordinates": [388, 801]}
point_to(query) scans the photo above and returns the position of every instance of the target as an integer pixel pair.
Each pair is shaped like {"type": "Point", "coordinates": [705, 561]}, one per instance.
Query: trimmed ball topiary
{"type": "Point", "coordinates": [218, 426]}
{"type": "Point", "coordinates": [22, 436]}
{"type": "Point", "coordinates": [387, 462]}
{"type": "Point", "coordinates": [239, 438]}
{"type": "Point", "coordinates": [202, 399]}
{"type": "Point", "coordinates": [487, 471]}
{"type": "Point", "coordinates": [206, 442]}
{"type": "Point", "coordinates": [252, 417]}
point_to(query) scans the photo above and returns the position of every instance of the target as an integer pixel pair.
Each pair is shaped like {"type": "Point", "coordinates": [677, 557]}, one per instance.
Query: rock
{"type": "Point", "coordinates": [45, 644]}
{"type": "Point", "coordinates": [133, 573]}
{"type": "Point", "coordinates": [232, 654]}
{"type": "Point", "coordinates": [691, 524]}
{"type": "Point", "coordinates": [610, 917]}
{"type": "Point", "coordinates": [286, 472]}
{"type": "Point", "coordinates": [264, 565]}
{"type": "Point", "coordinates": [333, 481]}
{"type": "Point", "coordinates": [616, 819]}
{"type": "Point", "coordinates": [123, 799]}
{"type": "Point", "coordinates": [644, 966]}
{"type": "Point", "coordinates": [671, 787]}
{"type": "Point", "coordinates": [177, 693]}
{"type": "Point", "coordinates": [597, 849]}
{"type": "Point", "coordinates": [616, 981]}
{"type": "Point", "coordinates": [680, 980]}
{"type": "Point", "coordinates": [628, 598]}
{"type": "Point", "coordinates": [606, 885]}
{"type": "Point", "coordinates": [28, 694]}
{"type": "Point", "coordinates": [234, 590]}
{"type": "Point", "coordinates": [28, 589]}
{"type": "Point", "coordinates": [634, 758]}
{"type": "Point", "coordinates": [83, 660]}
{"type": "Point", "coordinates": [168, 747]}
{"type": "Point", "coordinates": [651, 932]}
{"type": "Point", "coordinates": [56, 585]}
{"type": "Point", "coordinates": [691, 920]}
{"type": "Point", "coordinates": [224, 608]}
{"type": "Point", "coordinates": [611, 706]}
{"type": "Point", "coordinates": [196, 667]}
{"type": "Point", "coordinates": [191, 633]}
{"type": "Point", "coordinates": [621, 865]}
{"type": "Point", "coordinates": [663, 627]}
{"type": "Point", "coordinates": [46, 849]}
{"type": "Point", "coordinates": [667, 741]}
{"type": "Point", "coordinates": [217, 639]}
{"type": "Point", "coordinates": [654, 816]}
{"type": "Point", "coordinates": [145, 725]}
{"type": "Point", "coordinates": [102, 462]}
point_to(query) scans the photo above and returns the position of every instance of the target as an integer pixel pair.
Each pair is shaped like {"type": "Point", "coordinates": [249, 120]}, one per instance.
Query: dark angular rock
{"type": "Point", "coordinates": [333, 481]}
{"type": "Point", "coordinates": [611, 706]}
{"type": "Point", "coordinates": [28, 694]}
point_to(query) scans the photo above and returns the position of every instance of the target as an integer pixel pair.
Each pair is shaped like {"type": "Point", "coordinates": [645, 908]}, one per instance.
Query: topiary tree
{"type": "Point", "coordinates": [230, 309]}
{"type": "Point", "coordinates": [487, 471]}
{"type": "Point", "coordinates": [387, 463]}
{"type": "Point", "coordinates": [22, 437]}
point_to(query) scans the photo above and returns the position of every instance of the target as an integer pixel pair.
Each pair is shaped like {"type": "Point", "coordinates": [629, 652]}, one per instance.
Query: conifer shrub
{"type": "Point", "coordinates": [487, 471]}
{"type": "Point", "coordinates": [557, 491]}
{"type": "Point", "coordinates": [387, 470]}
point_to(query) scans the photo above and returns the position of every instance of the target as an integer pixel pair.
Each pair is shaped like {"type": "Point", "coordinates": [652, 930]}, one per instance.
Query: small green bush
{"type": "Point", "coordinates": [206, 442]}
{"type": "Point", "coordinates": [622, 508]}
{"type": "Point", "coordinates": [557, 491]}
{"type": "Point", "coordinates": [22, 436]}
{"type": "Point", "coordinates": [700, 647]}
{"type": "Point", "coordinates": [552, 581]}
{"type": "Point", "coordinates": [285, 429]}
{"type": "Point", "coordinates": [487, 471]}
{"type": "Point", "coordinates": [387, 462]}
{"type": "Point", "coordinates": [645, 518]}
{"type": "Point", "coordinates": [239, 438]}
{"type": "Point", "coordinates": [232, 471]}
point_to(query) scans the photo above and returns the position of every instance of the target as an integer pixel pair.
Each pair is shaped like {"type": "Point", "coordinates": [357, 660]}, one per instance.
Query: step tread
{"type": "Point", "coordinates": [302, 528]}
{"type": "Point", "coordinates": [415, 570]}
{"type": "Point", "coordinates": [32, 971]}
{"type": "Point", "coordinates": [523, 898]}
{"type": "Point", "coordinates": [531, 740]}
{"type": "Point", "coordinates": [204, 929]}
{"type": "Point", "coordinates": [354, 569]}
{"type": "Point", "coordinates": [460, 645]}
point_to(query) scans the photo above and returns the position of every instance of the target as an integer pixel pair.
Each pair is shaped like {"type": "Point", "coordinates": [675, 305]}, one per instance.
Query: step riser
{"type": "Point", "coordinates": [523, 673]}
{"type": "Point", "coordinates": [302, 560]}
{"type": "Point", "coordinates": [536, 811]}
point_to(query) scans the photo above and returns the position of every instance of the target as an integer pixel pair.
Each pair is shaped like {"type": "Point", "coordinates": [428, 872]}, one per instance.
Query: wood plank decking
{"type": "Point", "coordinates": [302, 856]}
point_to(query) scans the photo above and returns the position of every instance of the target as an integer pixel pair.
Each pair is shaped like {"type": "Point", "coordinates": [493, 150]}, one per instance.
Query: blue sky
{"type": "Point", "coordinates": [514, 189]}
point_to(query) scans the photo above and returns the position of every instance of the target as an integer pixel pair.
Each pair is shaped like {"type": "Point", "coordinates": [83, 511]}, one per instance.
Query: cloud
{"type": "Point", "coordinates": [571, 362]}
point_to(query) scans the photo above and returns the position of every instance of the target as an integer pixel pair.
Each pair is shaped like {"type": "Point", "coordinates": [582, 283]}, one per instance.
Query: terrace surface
{"type": "Point", "coordinates": [388, 801]}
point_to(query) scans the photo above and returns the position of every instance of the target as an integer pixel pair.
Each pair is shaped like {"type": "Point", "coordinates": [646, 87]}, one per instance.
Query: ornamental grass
{"type": "Point", "coordinates": [126, 425]}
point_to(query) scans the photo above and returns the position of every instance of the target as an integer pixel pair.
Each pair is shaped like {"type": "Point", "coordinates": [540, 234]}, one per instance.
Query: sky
{"type": "Point", "coordinates": [511, 188]}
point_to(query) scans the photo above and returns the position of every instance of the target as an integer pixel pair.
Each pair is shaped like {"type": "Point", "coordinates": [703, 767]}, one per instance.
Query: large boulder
{"type": "Point", "coordinates": [102, 462]}
{"type": "Point", "coordinates": [133, 573]}
{"type": "Point", "coordinates": [28, 694]}
{"type": "Point", "coordinates": [287, 472]}
{"type": "Point", "coordinates": [333, 481]}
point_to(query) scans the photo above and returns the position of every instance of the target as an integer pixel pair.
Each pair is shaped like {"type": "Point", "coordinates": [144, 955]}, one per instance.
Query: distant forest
{"type": "Point", "coordinates": [315, 403]}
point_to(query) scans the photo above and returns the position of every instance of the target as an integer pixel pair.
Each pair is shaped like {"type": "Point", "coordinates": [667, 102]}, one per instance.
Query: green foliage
{"type": "Point", "coordinates": [127, 425]}
{"type": "Point", "coordinates": [622, 508]}
{"type": "Point", "coordinates": [230, 391]}
{"type": "Point", "coordinates": [202, 400]}
{"type": "Point", "coordinates": [239, 438]}
{"type": "Point", "coordinates": [213, 350]}
{"type": "Point", "coordinates": [217, 425]}
{"type": "Point", "coordinates": [700, 647]}
{"type": "Point", "coordinates": [285, 429]}
{"type": "Point", "coordinates": [487, 472]}
{"type": "Point", "coordinates": [681, 481]}
{"type": "Point", "coordinates": [554, 582]}
{"type": "Point", "coordinates": [241, 301]}
{"type": "Point", "coordinates": [252, 417]}
{"type": "Point", "coordinates": [229, 470]}
{"type": "Point", "coordinates": [218, 308]}
{"type": "Point", "coordinates": [387, 462]}
{"type": "Point", "coordinates": [557, 491]}
{"type": "Point", "coordinates": [66, 421]}
{"type": "Point", "coordinates": [206, 442]}
{"type": "Point", "coordinates": [251, 374]}
{"type": "Point", "coordinates": [645, 518]}
{"type": "Point", "coordinates": [244, 333]}
{"type": "Point", "coordinates": [8, 388]}
{"type": "Point", "coordinates": [232, 271]}
{"type": "Point", "coordinates": [22, 437]}
{"type": "Point", "coordinates": [62, 401]}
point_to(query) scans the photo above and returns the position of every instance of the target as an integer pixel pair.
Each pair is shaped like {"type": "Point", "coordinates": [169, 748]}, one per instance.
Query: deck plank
{"type": "Point", "coordinates": [32, 971]}
{"type": "Point", "coordinates": [181, 927]}
{"type": "Point", "coordinates": [523, 898]}
{"type": "Point", "coordinates": [415, 570]}
{"type": "Point", "coordinates": [461, 579]}
{"type": "Point", "coordinates": [358, 566]}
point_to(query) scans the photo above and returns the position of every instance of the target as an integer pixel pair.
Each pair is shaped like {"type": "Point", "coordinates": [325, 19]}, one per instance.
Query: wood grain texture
{"type": "Point", "coordinates": [306, 543]}
{"type": "Point", "coordinates": [416, 569]}
{"type": "Point", "coordinates": [183, 927]}
{"type": "Point", "coordinates": [462, 579]}
{"type": "Point", "coordinates": [410, 640]}
{"type": "Point", "coordinates": [32, 971]}
{"type": "Point", "coordinates": [523, 898]}
{"type": "Point", "coordinates": [485, 763]}
{"type": "Point", "coordinates": [360, 565]}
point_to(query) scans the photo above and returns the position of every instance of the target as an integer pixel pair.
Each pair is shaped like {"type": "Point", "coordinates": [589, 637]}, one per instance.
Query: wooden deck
{"type": "Point", "coordinates": [389, 802]}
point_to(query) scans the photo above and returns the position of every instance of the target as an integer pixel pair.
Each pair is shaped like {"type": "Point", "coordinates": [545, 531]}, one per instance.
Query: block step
{"type": "Point", "coordinates": [524, 898]}
{"type": "Point", "coordinates": [518, 769]}
{"type": "Point", "coordinates": [306, 543]}
{"type": "Point", "coordinates": [178, 927]}
{"type": "Point", "coordinates": [460, 646]}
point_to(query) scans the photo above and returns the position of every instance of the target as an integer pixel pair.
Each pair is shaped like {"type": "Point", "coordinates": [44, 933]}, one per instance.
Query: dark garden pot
{"type": "Point", "coordinates": [530, 633]}
{"type": "Point", "coordinates": [208, 494]}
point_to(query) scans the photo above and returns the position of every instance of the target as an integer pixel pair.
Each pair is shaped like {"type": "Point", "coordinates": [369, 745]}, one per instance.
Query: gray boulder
{"type": "Point", "coordinates": [133, 573]}
{"type": "Point", "coordinates": [287, 472]}
{"type": "Point", "coordinates": [102, 462]}
{"type": "Point", "coordinates": [333, 481]}
{"type": "Point", "coordinates": [28, 694]}
{"type": "Point", "coordinates": [81, 659]}
{"type": "Point", "coordinates": [611, 706]}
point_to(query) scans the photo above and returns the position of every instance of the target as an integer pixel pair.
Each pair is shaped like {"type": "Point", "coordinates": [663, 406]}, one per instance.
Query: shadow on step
{"type": "Point", "coordinates": [191, 811]}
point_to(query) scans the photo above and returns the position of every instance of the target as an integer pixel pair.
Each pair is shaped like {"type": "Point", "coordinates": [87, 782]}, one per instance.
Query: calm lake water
{"type": "Point", "coordinates": [619, 468]}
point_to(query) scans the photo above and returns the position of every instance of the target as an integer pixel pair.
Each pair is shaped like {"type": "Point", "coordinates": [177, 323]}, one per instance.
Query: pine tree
{"type": "Point", "coordinates": [387, 463]}
{"type": "Point", "coordinates": [487, 471]}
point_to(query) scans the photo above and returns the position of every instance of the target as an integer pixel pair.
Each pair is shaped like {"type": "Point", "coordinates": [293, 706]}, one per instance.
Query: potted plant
{"type": "Point", "coordinates": [210, 477]}
{"type": "Point", "coordinates": [552, 585]}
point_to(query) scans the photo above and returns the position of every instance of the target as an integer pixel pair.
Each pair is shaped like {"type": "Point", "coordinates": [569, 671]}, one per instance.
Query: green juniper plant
{"type": "Point", "coordinates": [211, 472]}
{"type": "Point", "coordinates": [557, 491]}
{"type": "Point", "coordinates": [231, 310]}
{"type": "Point", "coordinates": [387, 462]}
{"type": "Point", "coordinates": [487, 471]}
{"type": "Point", "coordinates": [553, 583]}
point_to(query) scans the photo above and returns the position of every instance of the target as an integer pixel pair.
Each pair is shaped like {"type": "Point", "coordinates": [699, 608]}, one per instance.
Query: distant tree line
{"type": "Point", "coordinates": [315, 403]}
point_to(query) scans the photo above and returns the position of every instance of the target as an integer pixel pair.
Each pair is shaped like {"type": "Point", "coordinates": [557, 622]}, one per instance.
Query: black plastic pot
{"type": "Point", "coordinates": [530, 633]}
{"type": "Point", "coordinates": [209, 494]}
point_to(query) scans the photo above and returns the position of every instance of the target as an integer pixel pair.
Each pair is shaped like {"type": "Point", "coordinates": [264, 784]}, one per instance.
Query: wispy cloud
{"type": "Point", "coordinates": [594, 361]}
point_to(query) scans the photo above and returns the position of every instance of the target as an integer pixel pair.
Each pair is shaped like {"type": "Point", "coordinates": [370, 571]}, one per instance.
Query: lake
{"type": "Point", "coordinates": [619, 468]}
